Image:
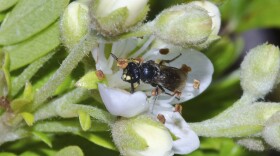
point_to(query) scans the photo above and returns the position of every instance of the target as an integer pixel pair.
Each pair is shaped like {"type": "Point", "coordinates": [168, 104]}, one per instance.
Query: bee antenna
{"type": "Point", "coordinates": [114, 56]}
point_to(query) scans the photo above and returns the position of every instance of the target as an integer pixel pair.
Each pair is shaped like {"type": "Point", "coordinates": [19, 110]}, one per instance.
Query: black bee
{"type": "Point", "coordinates": [157, 74]}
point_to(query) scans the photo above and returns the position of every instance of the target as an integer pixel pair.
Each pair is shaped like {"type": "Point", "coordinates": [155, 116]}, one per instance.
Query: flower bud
{"type": "Point", "coordinates": [214, 13]}
{"type": "Point", "coordinates": [260, 69]}
{"type": "Point", "coordinates": [113, 17]}
{"type": "Point", "coordinates": [184, 25]}
{"type": "Point", "coordinates": [142, 136]}
{"type": "Point", "coordinates": [74, 24]}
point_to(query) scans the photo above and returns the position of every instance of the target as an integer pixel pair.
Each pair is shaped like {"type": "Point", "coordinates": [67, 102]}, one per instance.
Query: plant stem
{"type": "Point", "coordinates": [28, 72]}
{"type": "Point", "coordinates": [76, 55]}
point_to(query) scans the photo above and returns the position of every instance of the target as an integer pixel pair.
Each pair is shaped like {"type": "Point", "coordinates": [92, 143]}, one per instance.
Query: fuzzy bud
{"type": "Point", "coordinates": [184, 25]}
{"type": "Point", "coordinates": [113, 17]}
{"type": "Point", "coordinates": [260, 70]}
{"type": "Point", "coordinates": [142, 136]}
{"type": "Point", "coordinates": [74, 24]}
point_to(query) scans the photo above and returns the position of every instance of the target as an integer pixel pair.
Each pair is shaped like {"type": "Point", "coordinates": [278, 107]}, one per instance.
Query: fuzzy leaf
{"type": "Point", "coordinates": [30, 50]}
{"type": "Point", "coordinates": [70, 150]}
{"type": "Point", "coordinates": [6, 4]}
{"type": "Point", "coordinates": [43, 137]}
{"type": "Point", "coordinates": [28, 18]}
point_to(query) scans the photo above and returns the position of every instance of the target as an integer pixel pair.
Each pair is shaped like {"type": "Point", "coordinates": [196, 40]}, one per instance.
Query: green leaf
{"type": "Point", "coordinates": [7, 154]}
{"type": "Point", "coordinates": [89, 81]}
{"type": "Point", "coordinates": [28, 118]}
{"type": "Point", "coordinates": [244, 15]}
{"type": "Point", "coordinates": [26, 52]}
{"type": "Point", "coordinates": [84, 119]}
{"type": "Point", "coordinates": [28, 18]}
{"type": "Point", "coordinates": [2, 17]}
{"type": "Point", "coordinates": [223, 54]}
{"type": "Point", "coordinates": [29, 153]}
{"type": "Point", "coordinates": [43, 137]}
{"type": "Point", "coordinates": [101, 139]}
{"type": "Point", "coordinates": [70, 150]}
{"type": "Point", "coordinates": [6, 4]}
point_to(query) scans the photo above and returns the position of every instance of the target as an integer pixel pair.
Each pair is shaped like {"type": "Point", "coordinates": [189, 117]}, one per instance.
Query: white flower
{"type": "Point", "coordinates": [121, 103]}
{"type": "Point", "coordinates": [201, 66]}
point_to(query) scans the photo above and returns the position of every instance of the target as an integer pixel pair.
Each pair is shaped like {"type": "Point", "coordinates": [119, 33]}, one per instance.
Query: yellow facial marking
{"type": "Point", "coordinates": [128, 78]}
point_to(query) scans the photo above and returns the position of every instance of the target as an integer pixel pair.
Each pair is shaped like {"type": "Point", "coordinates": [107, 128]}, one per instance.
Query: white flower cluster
{"type": "Point", "coordinates": [120, 102]}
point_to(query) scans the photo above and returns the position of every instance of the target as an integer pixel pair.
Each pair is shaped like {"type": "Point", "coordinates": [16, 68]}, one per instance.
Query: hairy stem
{"type": "Point", "coordinates": [76, 55]}
{"type": "Point", "coordinates": [28, 72]}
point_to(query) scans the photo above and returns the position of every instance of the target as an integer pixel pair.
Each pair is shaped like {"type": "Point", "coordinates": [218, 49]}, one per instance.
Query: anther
{"type": "Point", "coordinates": [100, 75]}
{"type": "Point", "coordinates": [196, 84]}
{"type": "Point", "coordinates": [161, 118]}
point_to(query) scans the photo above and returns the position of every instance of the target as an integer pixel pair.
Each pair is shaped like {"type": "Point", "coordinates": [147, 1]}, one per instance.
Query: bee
{"type": "Point", "coordinates": [159, 75]}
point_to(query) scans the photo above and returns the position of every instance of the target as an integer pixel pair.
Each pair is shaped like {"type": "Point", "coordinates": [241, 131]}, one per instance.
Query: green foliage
{"type": "Point", "coordinates": [39, 14]}
{"type": "Point", "coordinates": [52, 117]}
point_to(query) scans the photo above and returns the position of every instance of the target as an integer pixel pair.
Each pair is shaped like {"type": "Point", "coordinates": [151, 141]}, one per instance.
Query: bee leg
{"type": "Point", "coordinates": [163, 90]}
{"type": "Point", "coordinates": [131, 88]}
{"type": "Point", "coordinates": [168, 61]}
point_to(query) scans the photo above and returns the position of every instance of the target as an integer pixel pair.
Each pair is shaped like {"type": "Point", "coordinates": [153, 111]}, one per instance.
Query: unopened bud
{"type": "Point", "coordinates": [142, 136]}
{"type": "Point", "coordinates": [113, 17]}
{"type": "Point", "coordinates": [74, 23]}
{"type": "Point", "coordinates": [184, 25]}
{"type": "Point", "coordinates": [260, 70]}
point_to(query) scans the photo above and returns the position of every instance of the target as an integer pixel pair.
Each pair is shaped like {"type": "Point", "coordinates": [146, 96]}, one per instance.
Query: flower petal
{"type": "Point", "coordinates": [187, 140]}
{"type": "Point", "coordinates": [121, 103]}
{"type": "Point", "coordinates": [201, 70]}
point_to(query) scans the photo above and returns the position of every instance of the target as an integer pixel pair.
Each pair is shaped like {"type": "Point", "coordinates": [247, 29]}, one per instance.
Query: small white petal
{"type": "Point", "coordinates": [121, 103]}
{"type": "Point", "coordinates": [101, 61]}
{"type": "Point", "coordinates": [187, 140]}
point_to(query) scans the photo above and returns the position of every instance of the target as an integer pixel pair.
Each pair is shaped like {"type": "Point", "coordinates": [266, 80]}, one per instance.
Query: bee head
{"type": "Point", "coordinates": [131, 73]}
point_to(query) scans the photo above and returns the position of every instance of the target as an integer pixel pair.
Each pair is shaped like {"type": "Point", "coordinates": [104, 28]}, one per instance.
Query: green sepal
{"type": "Point", "coordinates": [28, 18]}
{"type": "Point", "coordinates": [114, 23]}
{"type": "Point", "coordinates": [101, 139]}
{"type": "Point", "coordinates": [85, 120]}
{"type": "Point", "coordinates": [28, 118]}
{"type": "Point", "coordinates": [43, 137]}
{"type": "Point", "coordinates": [90, 81]}
{"type": "Point", "coordinates": [20, 105]}
{"type": "Point", "coordinates": [23, 103]}
{"type": "Point", "coordinates": [70, 150]}
{"type": "Point", "coordinates": [6, 4]}
{"type": "Point", "coordinates": [28, 92]}
{"type": "Point", "coordinates": [32, 49]}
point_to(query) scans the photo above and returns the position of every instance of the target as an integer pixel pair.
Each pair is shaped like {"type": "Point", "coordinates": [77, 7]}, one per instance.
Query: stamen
{"type": "Point", "coordinates": [100, 75]}
{"type": "Point", "coordinates": [122, 63]}
{"type": "Point", "coordinates": [196, 84]}
{"type": "Point", "coordinates": [161, 118]}
{"type": "Point", "coordinates": [178, 108]}
{"type": "Point", "coordinates": [186, 68]}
